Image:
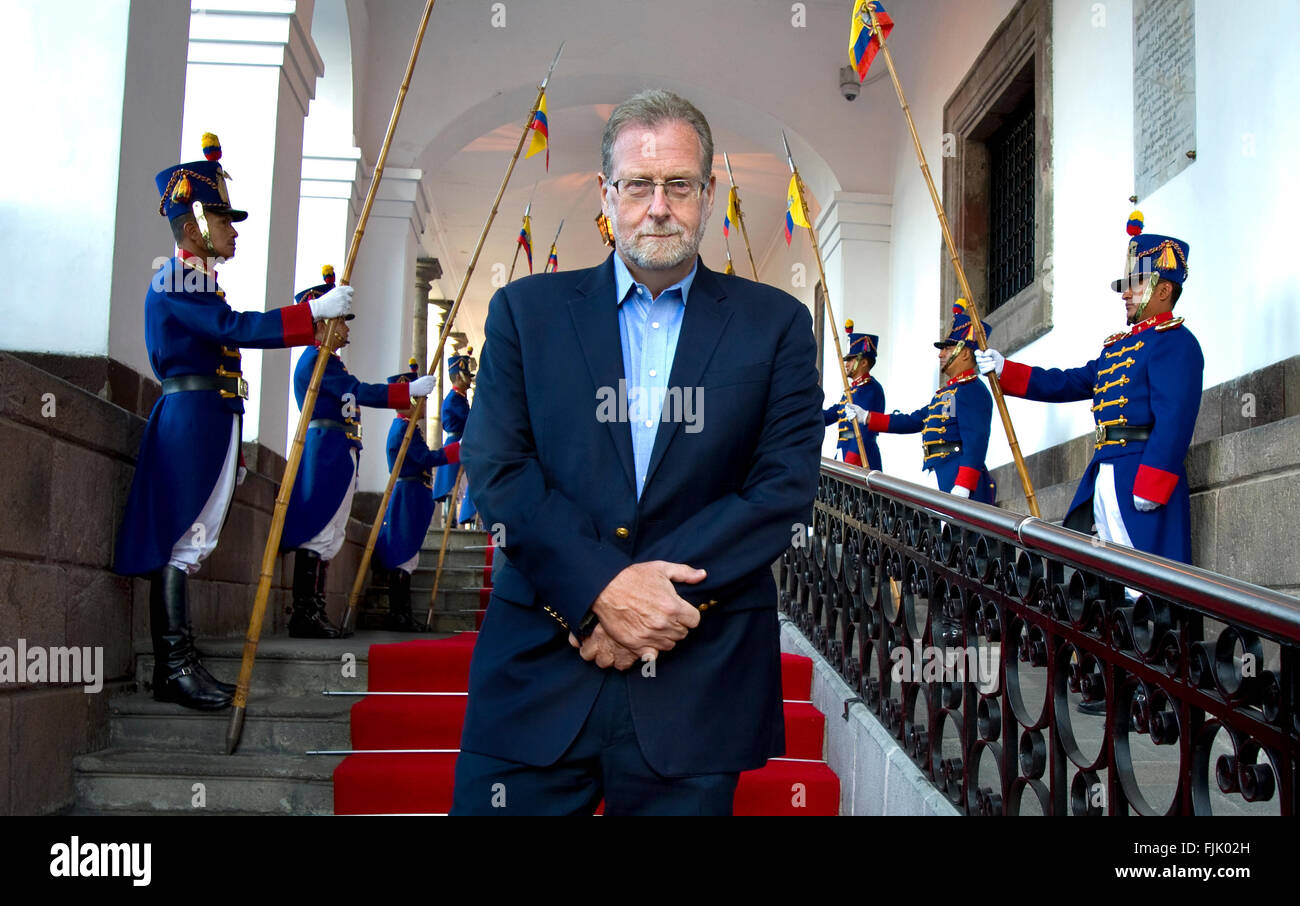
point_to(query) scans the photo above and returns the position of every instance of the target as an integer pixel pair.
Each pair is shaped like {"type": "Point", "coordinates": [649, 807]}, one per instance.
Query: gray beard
{"type": "Point", "coordinates": [654, 254]}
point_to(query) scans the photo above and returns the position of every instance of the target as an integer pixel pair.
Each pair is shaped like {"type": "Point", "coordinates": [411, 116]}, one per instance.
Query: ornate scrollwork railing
{"type": "Point", "coordinates": [1194, 678]}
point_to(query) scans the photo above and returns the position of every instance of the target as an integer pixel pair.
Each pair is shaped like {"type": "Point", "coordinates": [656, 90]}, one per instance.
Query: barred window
{"type": "Point", "coordinates": [1011, 205]}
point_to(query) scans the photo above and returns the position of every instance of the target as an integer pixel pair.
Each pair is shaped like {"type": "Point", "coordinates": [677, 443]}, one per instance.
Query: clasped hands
{"type": "Point", "coordinates": [640, 615]}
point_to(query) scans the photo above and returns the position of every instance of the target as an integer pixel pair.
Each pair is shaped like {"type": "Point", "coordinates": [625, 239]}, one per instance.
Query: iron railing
{"type": "Point", "coordinates": [1197, 673]}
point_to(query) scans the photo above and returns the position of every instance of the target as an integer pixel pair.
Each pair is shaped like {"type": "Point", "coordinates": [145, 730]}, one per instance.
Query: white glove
{"type": "Point", "coordinates": [423, 386]}
{"type": "Point", "coordinates": [240, 474]}
{"type": "Point", "coordinates": [959, 491]}
{"type": "Point", "coordinates": [857, 413]}
{"type": "Point", "coordinates": [1142, 505]}
{"type": "Point", "coordinates": [987, 360]}
{"type": "Point", "coordinates": [334, 304]}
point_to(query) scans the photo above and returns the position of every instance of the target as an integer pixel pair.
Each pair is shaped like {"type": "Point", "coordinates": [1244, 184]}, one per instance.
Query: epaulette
{"type": "Point", "coordinates": [1113, 338]}
{"type": "Point", "coordinates": [1170, 324]}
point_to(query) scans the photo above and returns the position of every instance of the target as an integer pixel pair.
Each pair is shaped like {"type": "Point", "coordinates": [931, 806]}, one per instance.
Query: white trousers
{"type": "Point", "coordinates": [201, 539]}
{"type": "Point", "coordinates": [1105, 507]}
{"type": "Point", "coordinates": [329, 540]}
{"type": "Point", "coordinates": [409, 566]}
{"type": "Point", "coordinates": [1107, 516]}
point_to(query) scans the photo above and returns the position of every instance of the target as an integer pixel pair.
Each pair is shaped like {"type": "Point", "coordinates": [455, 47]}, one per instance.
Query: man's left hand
{"type": "Point", "coordinates": [1142, 505]}
{"type": "Point", "coordinates": [602, 649]}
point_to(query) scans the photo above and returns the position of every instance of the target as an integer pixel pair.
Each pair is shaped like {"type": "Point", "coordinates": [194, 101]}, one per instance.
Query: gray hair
{"type": "Point", "coordinates": [651, 108]}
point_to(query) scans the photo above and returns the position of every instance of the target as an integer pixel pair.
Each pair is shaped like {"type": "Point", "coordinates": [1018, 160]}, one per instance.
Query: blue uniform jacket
{"type": "Point", "coordinates": [327, 469]}
{"type": "Point", "coordinates": [189, 329]}
{"type": "Point", "coordinates": [455, 412]}
{"type": "Point", "coordinates": [869, 395]}
{"type": "Point", "coordinates": [410, 508]}
{"type": "Point", "coordinates": [960, 412]}
{"type": "Point", "coordinates": [1147, 376]}
{"type": "Point", "coordinates": [560, 482]}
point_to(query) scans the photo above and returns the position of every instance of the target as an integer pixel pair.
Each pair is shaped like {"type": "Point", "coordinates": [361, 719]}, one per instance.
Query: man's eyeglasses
{"type": "Point", "coordinates": [642, 189]}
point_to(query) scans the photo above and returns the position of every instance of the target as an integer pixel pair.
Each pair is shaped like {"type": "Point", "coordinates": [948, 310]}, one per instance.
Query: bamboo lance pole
{"type": "Point", "coordinates": [358, 584]}
{"type": "Point", "coordinates": [740, 217]}
{"type": "Point", "coordinates": [271, 552]}
{"type": "Point", "coordinates": [452, 512]}
{"type": "Point", "coordinates": [1030, 499]}
{"type": "Point", "coordinates": [830, 312]}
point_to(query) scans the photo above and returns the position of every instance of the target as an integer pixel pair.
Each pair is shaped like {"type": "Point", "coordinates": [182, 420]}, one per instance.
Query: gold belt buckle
{"type": "Point", "coordinates": [243, 389]}
{"type": "Point", "coordinates": [1099, 434]}
{"type": "Point", "coordinates": [355, 431]}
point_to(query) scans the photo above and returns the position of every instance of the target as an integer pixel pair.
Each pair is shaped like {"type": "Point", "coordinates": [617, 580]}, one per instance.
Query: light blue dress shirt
{"type": "Point", "coordinates": [648, 329]}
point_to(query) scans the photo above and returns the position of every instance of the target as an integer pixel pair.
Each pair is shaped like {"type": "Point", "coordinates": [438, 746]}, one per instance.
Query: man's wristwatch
{"type": "Point", "coordinates": [587, 626]}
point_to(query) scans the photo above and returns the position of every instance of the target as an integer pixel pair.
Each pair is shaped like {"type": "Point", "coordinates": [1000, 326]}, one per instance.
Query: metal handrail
{"type": "Point", "coordinates": [1255, 607]}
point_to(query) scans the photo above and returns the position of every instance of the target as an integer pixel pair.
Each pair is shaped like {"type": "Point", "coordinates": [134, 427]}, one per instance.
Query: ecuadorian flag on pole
{"type": "Point", "coordinates": [541, 133]}
{"type": "Point", "coordinates": [526, 240]}
{"type": "Point", "coordinates": [863, 45]}
{"type": "Point", "coordinates": [731, 216]}
{"type": "Point", "coordinates": [794, 212]}
{"type": "Point", "coordinates": [552, 261]}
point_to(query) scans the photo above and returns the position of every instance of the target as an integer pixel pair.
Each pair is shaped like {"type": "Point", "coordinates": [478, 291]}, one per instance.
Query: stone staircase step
{"type": "Point", "coordinates": [125, 781]}
{"type": "Point", "coordinates": [282, 723]}
{"type": "Point", "coordinates": [288, 666]}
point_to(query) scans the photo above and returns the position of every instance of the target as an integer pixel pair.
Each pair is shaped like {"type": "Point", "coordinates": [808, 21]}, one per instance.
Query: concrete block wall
{"type": "Point", "coordinates": [68, 455]}
{"type": "Point", "coordinates": [1242, 470]}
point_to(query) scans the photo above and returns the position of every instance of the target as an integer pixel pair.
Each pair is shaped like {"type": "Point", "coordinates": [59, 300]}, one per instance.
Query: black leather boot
{"type": "Point", "coordinates": [321, 602]}
{"type": "Point", "coordinates": [308, 620]}
{"type": "Point", "coordinates": [399, 604]}
{"type": "Point", "coordinates": [177, 675]}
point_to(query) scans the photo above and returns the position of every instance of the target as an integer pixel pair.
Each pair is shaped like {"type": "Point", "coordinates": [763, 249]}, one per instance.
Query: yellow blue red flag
{"type": "Point", "coordinates": [526, 240]}
{"type": "Point", "coordinates": [552, 261]}
{"type": "Point", "coordinates": [733, 212]}
{"type": "Point", "coordinates": [794, 212]}
{"type": "Point", "coordinates": [541, 133]}
{"type": "Point", "coordinates": [863, 44]}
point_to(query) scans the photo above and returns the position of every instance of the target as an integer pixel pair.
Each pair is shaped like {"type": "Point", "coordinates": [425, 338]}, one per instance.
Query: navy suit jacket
{"type": "Point", "coordinates": [721, 493]}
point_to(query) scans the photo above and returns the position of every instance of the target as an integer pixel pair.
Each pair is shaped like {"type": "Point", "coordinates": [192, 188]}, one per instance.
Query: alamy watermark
{"type": "Point", "coordinates": [683, 405]}
{"type": "Point", "coordinates": [37, 664]}
{"type": "Point", "coordinates": [932, 664]}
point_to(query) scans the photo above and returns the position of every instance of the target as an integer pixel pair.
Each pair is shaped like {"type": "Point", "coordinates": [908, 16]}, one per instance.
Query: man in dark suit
{"type": "Point", "coordinates": [646, 434]}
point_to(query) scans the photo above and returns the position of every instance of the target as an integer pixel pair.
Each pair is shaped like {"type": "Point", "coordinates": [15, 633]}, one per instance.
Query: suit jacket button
{"type": "Point", "coordinates": [621, 532]}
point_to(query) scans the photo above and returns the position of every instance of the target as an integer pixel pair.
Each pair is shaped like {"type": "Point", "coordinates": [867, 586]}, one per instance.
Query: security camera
{"type": "Point", "coordinates": [849, 84]}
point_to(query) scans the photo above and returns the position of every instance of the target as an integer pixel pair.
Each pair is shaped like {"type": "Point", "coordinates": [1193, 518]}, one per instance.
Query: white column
{"type": "Point", "coordinates": [384, 279]}
{"type": "Point", "coordinates": [252, 72]}
{"type": "Point", "coordinates": [854, 232]}
{"type": "Point", "coordinates": [326, 211]}
{"type": "Point", "coordinates": [93, 111]}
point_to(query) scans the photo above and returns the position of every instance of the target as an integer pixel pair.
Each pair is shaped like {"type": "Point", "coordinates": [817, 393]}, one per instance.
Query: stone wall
{"type": "Point", "coordinates": [1242, 470]}
{"type": "Point", "coordinates": [68, 456]}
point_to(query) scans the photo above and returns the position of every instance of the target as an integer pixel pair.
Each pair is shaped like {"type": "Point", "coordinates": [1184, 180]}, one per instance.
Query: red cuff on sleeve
{"type": "Point", "coordinates": [1154, 484]}
{"type": "Point", "coordinates": [877, 421]}
{"type": "Point", "coordinates": [399, 395]}
{"type": "Point", "coordinates": [968, 478]}
{"type": "Point", "coordinates": [297, 325]}
{"type": "Point", "coordinates": [852, 458]}
{"type": "Point", "coordinates": [452, 452]}
{"type": "Point", "coordinates": [1015, 378]}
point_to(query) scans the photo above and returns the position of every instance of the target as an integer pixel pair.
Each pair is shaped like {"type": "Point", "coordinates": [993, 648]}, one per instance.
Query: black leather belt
{"type": "Point", "coordinates": [426, 479]}
{"type": "Point", "coordinates": [352, 431]}
{"type": "Point", "coordinates": [940, 449]}
{"type": "Point", "coordinates": [228, 387]}
{"type": "Point", "coordinates": [1113, 434]}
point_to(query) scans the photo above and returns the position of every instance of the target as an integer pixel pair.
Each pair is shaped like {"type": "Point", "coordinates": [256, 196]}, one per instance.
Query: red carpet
{"type": "Point", "coordinates": [410, 782]}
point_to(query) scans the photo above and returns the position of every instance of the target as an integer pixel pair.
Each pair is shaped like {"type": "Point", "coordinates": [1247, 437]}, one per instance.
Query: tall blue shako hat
{"type": "Point", "coordinates": [202, 181]}
{"type": "Point", "coordinates": [963, 329]}
{"type": "Point", "coordinates": [864, 344]}
{"type": "Point", "coordinates": [412, 372]}
{"type": "Point", "coordinates": [461, 362]}
{"type": "Point", "coordinates": [1150, 253]}
{"type": "Point", "coordinates": [320, 289]}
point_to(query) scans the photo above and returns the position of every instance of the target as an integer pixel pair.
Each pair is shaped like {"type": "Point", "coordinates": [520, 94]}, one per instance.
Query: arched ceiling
{"type": "Point", "coordinates": [754, 67]}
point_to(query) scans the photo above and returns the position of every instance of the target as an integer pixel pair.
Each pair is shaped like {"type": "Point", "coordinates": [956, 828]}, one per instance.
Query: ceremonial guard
{"type": "Point", "coordinates": [189, 464]}
{"type": "Point", "coordinates": [455, 412]}
{"type": "Point", "coordinates": [315, 525]}
{"type": "Point", "coordinates": [410, 510]}
{"type": "Point", "coordinates": [867, 394]}
{"type": "Point", "coordinates": [954, 427]}
{"type": "Point", "coordinates": [1145, 388]}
